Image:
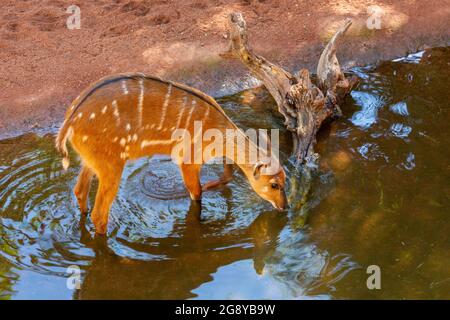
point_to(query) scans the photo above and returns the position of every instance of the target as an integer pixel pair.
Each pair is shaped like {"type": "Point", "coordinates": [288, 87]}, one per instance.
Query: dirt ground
{"type": "Point", "coordinates": [44, 65]}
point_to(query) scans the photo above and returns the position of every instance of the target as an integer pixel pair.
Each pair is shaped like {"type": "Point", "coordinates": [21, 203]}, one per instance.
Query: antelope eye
{"type": "Point", "coordinates": [275, 186]}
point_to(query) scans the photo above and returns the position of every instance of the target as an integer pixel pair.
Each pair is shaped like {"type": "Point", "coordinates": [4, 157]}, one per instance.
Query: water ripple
{"type": "Point", "coordinates": [370, 105]}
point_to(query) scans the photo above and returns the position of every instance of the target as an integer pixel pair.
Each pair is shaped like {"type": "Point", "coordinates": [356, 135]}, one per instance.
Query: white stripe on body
{"type": "Point", "coordinates": [188, 119]}
{"type": "Point", "coordinates": [164, 106]}
{"type": "Point", "coordinates": [140, 102]}
{"type": "Point", "coordinates": [180, 114]}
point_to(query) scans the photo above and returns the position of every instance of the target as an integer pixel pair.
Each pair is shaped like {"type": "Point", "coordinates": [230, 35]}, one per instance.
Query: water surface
{"type": "Point", "coordinates": [380, 197]}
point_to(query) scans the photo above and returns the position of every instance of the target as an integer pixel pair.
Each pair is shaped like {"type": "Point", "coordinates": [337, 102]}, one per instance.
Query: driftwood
{"type": "Point", "coordinates": [304, 105]}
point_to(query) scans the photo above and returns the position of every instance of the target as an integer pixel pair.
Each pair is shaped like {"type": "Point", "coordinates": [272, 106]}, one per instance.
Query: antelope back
{"type": "Point", "coordinates": [132, 115]}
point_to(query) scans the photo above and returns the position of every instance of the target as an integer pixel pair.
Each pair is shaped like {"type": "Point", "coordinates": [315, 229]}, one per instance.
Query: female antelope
{"type": "Point", "coordinates": [129, 116]}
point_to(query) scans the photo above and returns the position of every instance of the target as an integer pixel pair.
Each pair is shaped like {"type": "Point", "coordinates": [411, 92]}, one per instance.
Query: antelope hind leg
{"type": "Point", "coordinates": [107, 189]}
{"type": "Point", "coordinates": [82, 188]}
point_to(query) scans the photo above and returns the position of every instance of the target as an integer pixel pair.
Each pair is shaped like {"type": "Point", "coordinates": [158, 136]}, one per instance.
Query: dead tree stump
{"type": "Point", "coordinates": [305, 106]}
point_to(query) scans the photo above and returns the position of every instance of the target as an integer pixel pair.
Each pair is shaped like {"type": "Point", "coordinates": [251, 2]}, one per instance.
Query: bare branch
{"type": "Point", "coordinates": [304, 106]}
{"type": "Point", "coordinates": [328, 69]}
{"type": "Point", "coordinates": [277, 81]}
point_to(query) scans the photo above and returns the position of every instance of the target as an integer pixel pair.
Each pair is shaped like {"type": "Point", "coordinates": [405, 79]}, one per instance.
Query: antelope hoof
{"type": "Point", "coordinates": [84, 210]}
{"type": "Point", "coordinates": [100, 226]}
{"type": "Point", "coordinates": [100, 230]}
{"type": "Point", "coordinates": [82, 204]}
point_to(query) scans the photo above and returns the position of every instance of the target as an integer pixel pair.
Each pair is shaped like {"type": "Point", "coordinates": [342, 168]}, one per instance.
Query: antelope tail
{"type": "Point", "coordinates": [64, 133]}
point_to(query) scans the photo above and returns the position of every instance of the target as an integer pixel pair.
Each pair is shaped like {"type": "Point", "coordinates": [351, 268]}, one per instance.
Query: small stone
{"type": "Point", "coordinates": [340, 160]}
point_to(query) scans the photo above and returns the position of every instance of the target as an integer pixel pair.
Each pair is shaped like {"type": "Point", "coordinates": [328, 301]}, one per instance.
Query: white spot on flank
{"type": "Point", "coordinates": [84, 138]}
{"type": "Point", "coordinates": [129, 138]}
{"type": "Point", "coordinates": [116, 112]}
{"type": "Point", "coordinates": [123, 155]}
{"type": "Point", "coordinates": [140, 101]}
{"type": "Point", "coordinates": [80, 115]}
{"type": "Point", "coordinates": [164, 107]}
{"type": "Point", "coordinates": [115, 139]}
{"type": "Point", "coordinates": [122, 142]}
{"type": "Point", "coordinates": [92, 116]}
{"type": "Point", "coordinates": [128, 127]}
{"type": "Point", "coordinates": [135, 137]}
{"type": "Point", "coordinates": [127, 148]}
{"type": "Point", "coordinates": [105, 108]}
{"type": "Point", "coordinates": [147, 143]}
{"type": "Point", "coordinates": [124, 87]}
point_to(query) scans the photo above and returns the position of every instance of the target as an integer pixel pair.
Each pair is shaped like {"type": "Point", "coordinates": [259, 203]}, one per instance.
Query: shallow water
{"type": "Point", "coordinates": [381, 197]}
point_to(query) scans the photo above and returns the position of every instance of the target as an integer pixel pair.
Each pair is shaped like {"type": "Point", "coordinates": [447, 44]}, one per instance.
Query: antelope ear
{"type": "Point", "coordinates": [257, 170]}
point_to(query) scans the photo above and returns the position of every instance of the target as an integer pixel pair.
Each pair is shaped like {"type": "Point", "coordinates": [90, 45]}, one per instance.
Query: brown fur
{"type": "Point", "coordinates": [129, 116]}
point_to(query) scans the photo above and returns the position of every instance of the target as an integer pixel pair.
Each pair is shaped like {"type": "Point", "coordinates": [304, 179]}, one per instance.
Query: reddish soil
{"type": "Point", "coordinates": [44, 65]}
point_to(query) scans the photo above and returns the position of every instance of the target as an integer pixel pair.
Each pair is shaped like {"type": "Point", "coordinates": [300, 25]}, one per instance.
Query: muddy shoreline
{"type": "Point", "coordinates": [44, 66]}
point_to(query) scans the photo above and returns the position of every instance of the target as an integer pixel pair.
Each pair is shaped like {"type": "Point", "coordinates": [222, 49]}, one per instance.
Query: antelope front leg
{"type": "Point", "coordinates": [82, 188]}
{"type": "Point", "coordinates": [107, 189]}
{"type": "Point", "coordinates": [191, 178]}
{"type": "Point", "coordinates": [226, 177]}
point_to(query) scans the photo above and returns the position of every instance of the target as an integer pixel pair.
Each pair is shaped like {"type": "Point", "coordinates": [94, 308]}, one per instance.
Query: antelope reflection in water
{"type": "Point", "coordinates": [190, 259]}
